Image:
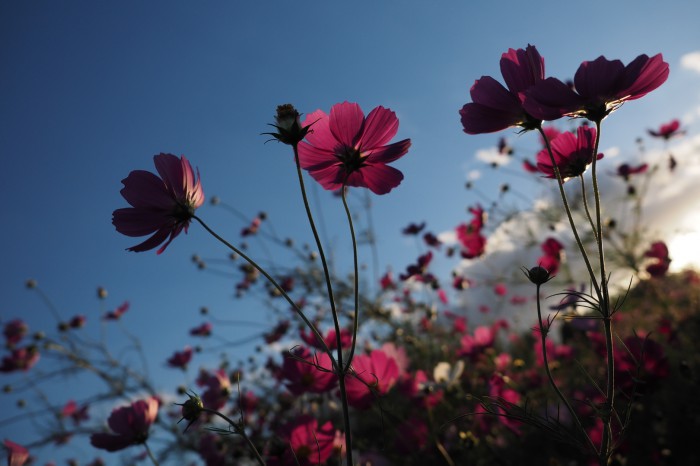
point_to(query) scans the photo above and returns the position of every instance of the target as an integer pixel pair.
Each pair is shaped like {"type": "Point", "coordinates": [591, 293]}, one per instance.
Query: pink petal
{"type": "Point", "coordinates": [320, 133]}
{"type": "Point", "coordinates": [388, 153]}
{"type": "Point", "coordinates": [110, 442]}
{"type": "Point", "coordinates": [170, 169]}
{"type": "Point", "coordinates": [380, 126]}
{"type": "Point", "coordinates": [522, 69]}
{"type": "Point", "coordinates": [380, 179]}
{"type": "Point", "coordinates": [315, 157]}
{"type": "Point", "coordinates": [330, 178]}
{"type": "Point", "coordinates": [346, 123]}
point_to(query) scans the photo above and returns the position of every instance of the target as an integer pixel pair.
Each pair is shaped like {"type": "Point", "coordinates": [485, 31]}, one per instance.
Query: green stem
{"type": "Point", "coordinates": [274, 283]}
{"type": "Point", "coordinates": [240, 431]}
{"type": "Point", "coordinates": [150, 454]}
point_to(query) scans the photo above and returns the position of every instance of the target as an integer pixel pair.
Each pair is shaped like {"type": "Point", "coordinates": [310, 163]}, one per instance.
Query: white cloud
{"type": "Point", "coordinates": [492, 157]}
{"type": "Point", "coordinates": [691, 61]}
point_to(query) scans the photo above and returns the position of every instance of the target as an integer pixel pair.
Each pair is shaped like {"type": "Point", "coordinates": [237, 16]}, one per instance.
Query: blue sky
{"type": "Point", "coordinates": [92, 90]}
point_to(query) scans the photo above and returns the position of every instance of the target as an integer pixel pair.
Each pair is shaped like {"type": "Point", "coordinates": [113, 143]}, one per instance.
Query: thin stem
{"type": "Point", "coordinates": [240, 431]}
{"type": "Point", "coordinates": [543, 338]}
{"type": "Point", "coordinates": [150, 454]}
{"type": "Point", "coordinates": [564, 199]}
{"type": "Point", "coordinates": [272, 281]}
{"type": "Point", "coordinates": [356, 313]}
{"type": "Point", "coordinates": [341, 368]}
{"type": "Point", "coordinates": [585, 207]}
{"type": "Point", "coordinates": [606, 442]}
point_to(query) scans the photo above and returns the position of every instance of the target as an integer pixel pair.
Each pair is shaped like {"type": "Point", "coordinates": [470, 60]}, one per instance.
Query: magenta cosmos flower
{"type": "Point", "coordinates": [667, 130]}
{"type": "Point", "coordinates": [601, 86]}
{"type": "Point", "coordinates": [572, 154]}
{"type": "Point", "coordinates": [130, 425]}
{"type": "Point", "coordinates": [162, 206]}
{"type": "Point", "coordinates": [494, 107]}
{"type": "Point", "coordinates": [347, 149]}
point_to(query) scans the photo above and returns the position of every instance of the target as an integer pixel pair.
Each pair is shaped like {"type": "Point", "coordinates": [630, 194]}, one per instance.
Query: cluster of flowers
{"type": "Point", "coordinates": [480, 389]}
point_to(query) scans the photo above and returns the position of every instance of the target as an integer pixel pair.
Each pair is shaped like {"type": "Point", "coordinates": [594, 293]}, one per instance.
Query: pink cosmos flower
{"type": "Point", "coordinates": [218, 388]}
{"type": "Point", "coordinates": [203, 330]}
{"type": "Point", "coordinates": [667, 130]}
{"type": "Point", "coordinates": [180, 359]}
{"type": "Point", "coordinates": [277, 332]}
{"type": "Point", "coordinates": [305, 372]}
{"type": "Point", "coordinates": [310, 444]}
{"type": "Point", "coordinates": [626, 170]}
{"type": "Point", "coordinates": [374, 375]}
{"type": "Point", "coordinates": [330, 338]}
{"type": "Point", "coordinates": [347, 149]}
{"type": "Point", "coordinates": [572, 154]}
{"type": "Point", "coordinates": [17, 455]}
{"type": "Point", "coordinates": [601, 86]}
{"type": "Point", "coordinates": [130, 425]}
{"type": "Point", "coordinates": [71, 409]}
{"type": "Point", "coordinates": [493, 107]}
{"type": "Point", "coordinates": [21, 359]}
{"type": "Point", "coordinates": [14, 331]}
{"type": "Point", "coordinates": [162, 206]}
{"type": "Point", "coordinates": [118, 312]}
{"type": "Point", "coordinates": [658, 251]}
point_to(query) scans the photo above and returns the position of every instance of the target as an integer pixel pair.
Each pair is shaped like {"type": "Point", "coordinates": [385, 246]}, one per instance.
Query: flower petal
{"type": "Point", "coordinates": [346, 123]}
{"type": "Point", "coordinates": [643, 75]}
{"type": "Point", "coordinates": [599, 79]}
{"type": "Point", "coordinates": [388, 153]}
{"type": "Point", "coordinates": [380, 179]}
{"type": "Point", "coordinates": [380, 126]}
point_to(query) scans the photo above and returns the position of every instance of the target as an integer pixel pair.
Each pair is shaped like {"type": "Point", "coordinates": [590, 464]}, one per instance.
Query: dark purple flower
{"type": "Point", "coordinates": [626, 170]}
{"type": "Point", "coordinates": [162, 206]}
{"type": "Point", "coordinates": [180, 359]}
{"type": "Point", "coordinates": [601, 86]}
{"type": "Point", "coordinates": [14, 331]}
{"type": "Point", "coordinates": [130, 425]}
{"type": "Point", "coordinates": [494, 107]}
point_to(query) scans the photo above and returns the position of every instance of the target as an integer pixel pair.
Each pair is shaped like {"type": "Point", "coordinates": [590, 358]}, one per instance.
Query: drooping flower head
{"type": "Point", "coordinates": [346, 148]}
{"type": "Point", "coordinates": [130, 425]}
{"type": "Point", "coordinates": [162, 206]}
{"type": "Point", "coordinates": [494, 107]}
{"type": "Point", "coordinates": [601, 86]}
{"type": "Point", "coordinates": [667, 130]}
{"type": "Point", "coordinates": [572, 154]}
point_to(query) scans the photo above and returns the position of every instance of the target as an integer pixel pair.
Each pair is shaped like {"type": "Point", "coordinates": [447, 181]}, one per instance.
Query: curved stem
{"type": "Point", "coordinates": [585, 207]}
{"type": "Point", "coordinates": [543, 338]}
{"type": "Point", "coordinates": [240, 431]}
{"type": "Point", "coordinates": [271, 280]}
{"type": "Point", "coordinates": [356, 313]}
{"type": "Point", "coordinates": [150, 454]}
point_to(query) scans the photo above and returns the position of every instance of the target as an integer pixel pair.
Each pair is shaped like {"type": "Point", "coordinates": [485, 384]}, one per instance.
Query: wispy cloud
{"type": "Point", "coordinates": [691, 61]}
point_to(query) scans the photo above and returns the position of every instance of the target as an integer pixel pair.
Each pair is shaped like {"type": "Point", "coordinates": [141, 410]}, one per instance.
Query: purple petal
{"type": "Point", "coordinates": [599, 79]}
{"type": "Point", "coordinates": [551, 99]}
{"type": "Point", "coordinates": [139, 222]}
{"type": "Point", "coordinates": [522, 69]}
{"type": "Point", "coordinates": [346, 122]}
{"type": "Point", "coordinates": [152, 242]}
{"type": "Point", "coordinates": [144, 189]}
{"type": "Point", "coordinates": [643, 75]}
{"type": "Point", "coordinates": [479, 119]}
{"type": "Point", "coordinates": [330, 178]}
{"type": "Point", "coordinates": [110, 442]}
{"type": "Point", "coordinates": [315, 157]}
{"type": "Point", "coordinates": [170, 169]}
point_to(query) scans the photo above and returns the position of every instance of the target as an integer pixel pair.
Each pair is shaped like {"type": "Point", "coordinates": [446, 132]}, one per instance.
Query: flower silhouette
{"type": "Point", "coordinates": [130, 425]}
{"type": "Point", "coordinates": [572, 154]}
{"type": "Point", "coordinates": [494, 107]}
{"type": "Point", "coordinates": [162, 206]}
{"type": "Point", "coordinates": [601, 86]}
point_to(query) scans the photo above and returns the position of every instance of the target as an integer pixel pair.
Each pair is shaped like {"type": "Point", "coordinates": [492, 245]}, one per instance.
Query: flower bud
{"type": "Point", "coordinates": [537, 275]}
{"type": "Point", "coordinates": [288, 125]}
{"type": "Point", "coordinates": [191, 409]}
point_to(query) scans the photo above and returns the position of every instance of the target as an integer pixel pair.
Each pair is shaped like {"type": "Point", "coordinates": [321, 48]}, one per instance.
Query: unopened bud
{"type": "Point", "coordinates": [537, 275]}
